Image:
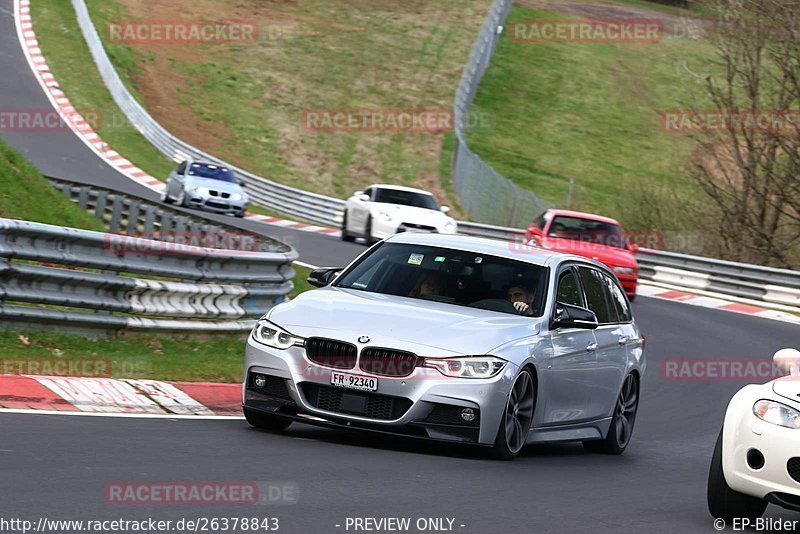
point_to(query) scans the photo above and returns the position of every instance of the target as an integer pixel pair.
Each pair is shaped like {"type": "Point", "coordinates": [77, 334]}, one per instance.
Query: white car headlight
{"type": "Point", "coordinates": [450, 227]}
{"type": "Point", "coordinates": [468, 366]}
{"type": "Point", "coordinates": [274, 336]}
{"type": "Point", "coordinates": [624, 270]}
{"type": "Point", "coordinates": [777, 414]}
{"type": "Point", "coordinates": [237, 196]}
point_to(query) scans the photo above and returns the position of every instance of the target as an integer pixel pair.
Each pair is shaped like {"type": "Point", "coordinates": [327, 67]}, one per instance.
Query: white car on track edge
{"type": "Point", "coordinates": [757, 457]}
{"type": "Point", "coordinates": [383, 210]}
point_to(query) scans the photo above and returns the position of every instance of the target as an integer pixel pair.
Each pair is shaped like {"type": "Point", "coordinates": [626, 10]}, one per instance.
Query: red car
{"type": "Point", "coordinates": [588, 235]}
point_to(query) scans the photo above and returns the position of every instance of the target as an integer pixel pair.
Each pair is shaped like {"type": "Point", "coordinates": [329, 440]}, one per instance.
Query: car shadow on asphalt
{"type": "Point", "coordinates": [364, 439]}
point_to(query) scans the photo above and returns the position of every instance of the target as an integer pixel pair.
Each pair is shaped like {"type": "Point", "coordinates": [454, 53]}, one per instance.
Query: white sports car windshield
{"type": "Point", "coordinates": [406, 198]}
{"type": "Point", "coordinates": [451, 276]}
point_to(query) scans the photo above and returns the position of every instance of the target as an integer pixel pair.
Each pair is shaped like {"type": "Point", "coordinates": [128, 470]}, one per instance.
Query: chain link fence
{"type": "Point", "coordinates": [487, 196]}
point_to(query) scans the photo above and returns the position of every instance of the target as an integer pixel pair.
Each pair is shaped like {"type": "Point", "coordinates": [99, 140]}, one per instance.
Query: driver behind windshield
{"type": "Point", "coordinates": [521, 298]}
{"type": "Point", "coordinates": [428, 284]}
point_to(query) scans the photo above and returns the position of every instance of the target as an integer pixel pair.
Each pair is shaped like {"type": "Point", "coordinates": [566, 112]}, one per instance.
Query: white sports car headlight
{"type": "Point", "coordinates": [777, 414]}
{"type": "Point", "coordinates": [450, 227]}
{"type": "Point", "coordinates": [274, 336]}
{"type": "Point", "coordinates": [237, 196]}
{"type": "Point", "coordinates": [467, 366]}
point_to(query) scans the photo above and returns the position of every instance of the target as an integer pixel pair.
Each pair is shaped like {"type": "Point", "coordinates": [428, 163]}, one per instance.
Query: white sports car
{"type": "Point", "coordinates": [757, 457]}
{"type": "Point", "coordinates": [383, 210]}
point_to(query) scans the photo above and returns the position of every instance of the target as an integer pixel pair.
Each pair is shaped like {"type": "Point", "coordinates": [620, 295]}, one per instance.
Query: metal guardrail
{"type": "Point", "coordinates": [134, 216]}
{"type": "Point", "coordinates": [95, 280]}
{"type": "Point", "coordinates": [486, 194]}
{"type": "Point", "coordinates": [780, 287]}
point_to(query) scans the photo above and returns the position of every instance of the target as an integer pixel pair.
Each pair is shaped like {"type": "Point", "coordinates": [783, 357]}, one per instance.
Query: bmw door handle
{"type": "Point", "coordinates": [592, 347]}
{"type": "Point", "coordinates": [623, 341]}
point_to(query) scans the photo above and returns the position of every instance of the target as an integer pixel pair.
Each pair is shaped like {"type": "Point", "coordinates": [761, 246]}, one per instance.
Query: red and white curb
{"type": "Point", "coordinates": [81, 128]}
{"type": "Point", "coordinates": [119, 396]}
{"type": "Point", "coordinates": [717, 303]}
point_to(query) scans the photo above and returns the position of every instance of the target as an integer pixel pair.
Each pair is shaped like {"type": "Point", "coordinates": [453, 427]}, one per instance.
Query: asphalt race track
{"type": "Point", "coordinates": [57, 466]}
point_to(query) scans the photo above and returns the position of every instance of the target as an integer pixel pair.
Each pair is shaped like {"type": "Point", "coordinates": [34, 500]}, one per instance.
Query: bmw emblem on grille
{"type": "Point", "coordinates": [363, 339]}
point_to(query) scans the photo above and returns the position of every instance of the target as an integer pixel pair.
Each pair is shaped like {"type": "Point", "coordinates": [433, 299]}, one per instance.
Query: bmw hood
{"type": "Point", "coordinates": [216, 185]}
{"type": "Point", "coordinates": [400, 322]}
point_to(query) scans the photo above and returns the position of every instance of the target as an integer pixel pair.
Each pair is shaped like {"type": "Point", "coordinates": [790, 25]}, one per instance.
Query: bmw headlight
{"type": "Point", "coordinates": [237, 196]}
{"type": "Point", "coordinates": [468, 366]}
{"type": "Point", "coordinates": [274, 336]}
{"type": "Point", "coordinates": [450, 227]}
{"type": "Point", "coordinates": [624, 270]}
{"type": "Point", "coordinates": [777, 414]}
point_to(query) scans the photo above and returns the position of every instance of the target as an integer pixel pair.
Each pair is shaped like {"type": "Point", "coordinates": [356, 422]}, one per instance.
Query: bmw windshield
{"type": "Point", "coordinates": [450, 276]}
{"type": "Point", "coordinates": [213, 172]}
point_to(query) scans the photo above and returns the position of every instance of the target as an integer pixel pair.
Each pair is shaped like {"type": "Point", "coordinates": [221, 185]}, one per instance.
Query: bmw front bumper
{"type": "Point", "coordinates": [424, 404]}
{"type": "Point", "coordinates": [216, 204]}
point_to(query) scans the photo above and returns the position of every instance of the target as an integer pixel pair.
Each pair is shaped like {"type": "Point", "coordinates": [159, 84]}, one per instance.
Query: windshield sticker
{"type": "Point", "coordinates": [439, 258]}
{"type": "Point", "coordinates": [416, 259]}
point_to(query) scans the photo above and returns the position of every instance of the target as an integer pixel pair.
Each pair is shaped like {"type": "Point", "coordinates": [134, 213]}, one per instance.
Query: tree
{"type": "Point", "coordinates": [749, 160]}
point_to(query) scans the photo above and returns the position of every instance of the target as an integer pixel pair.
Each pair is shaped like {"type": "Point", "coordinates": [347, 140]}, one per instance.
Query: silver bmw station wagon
{"type": "Point", "coordinates": [453, 338]}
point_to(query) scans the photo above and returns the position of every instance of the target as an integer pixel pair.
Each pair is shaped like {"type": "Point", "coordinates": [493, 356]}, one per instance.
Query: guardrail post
{"type": "Point", "coordinates": [165, 224]}
{"type": "Point", "coordinates": [149, 220]}
{"type": "Point", "coordinates": [83, 197]}
{"type": "Point", "coordinates": [100, 206]}
{"type": "Point", "coordinates": [133, 217]}
{"type": "Point", "coordinates": [116, 214]}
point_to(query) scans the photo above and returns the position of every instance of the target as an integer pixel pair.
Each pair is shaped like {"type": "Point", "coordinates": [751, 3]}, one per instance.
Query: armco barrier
{"type": "Point", "coordinates": [88, 279]}
{"type": "Point", "coordinates": [135, 216]}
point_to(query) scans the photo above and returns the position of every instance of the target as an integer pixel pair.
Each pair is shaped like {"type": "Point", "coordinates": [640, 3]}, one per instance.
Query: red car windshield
{"type": "Point", "coordinates": [587, 231]}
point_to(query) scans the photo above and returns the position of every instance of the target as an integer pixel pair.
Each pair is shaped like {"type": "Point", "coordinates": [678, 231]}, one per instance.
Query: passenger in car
{"type": "Point", "coordinates": [428, 284]}
{"type": "Point", "coordinates": [522, 299]}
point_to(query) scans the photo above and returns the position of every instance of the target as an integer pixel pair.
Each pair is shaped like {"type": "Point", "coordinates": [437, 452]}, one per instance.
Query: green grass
{"type": "Point", "coordinates": [590, 112]}
{"type": "Point", "coordinates": [161, 357]}
{"type": "Point", "coordinates": [26, 194]}
{"type": "Point", "coordinates": [71, 62]}
{"type": "Point", "coordinates": [300, 281]}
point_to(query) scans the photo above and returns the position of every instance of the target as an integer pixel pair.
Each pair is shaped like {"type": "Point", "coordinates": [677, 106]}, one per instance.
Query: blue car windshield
{"type": "Point", "coordinates": [213, 172]}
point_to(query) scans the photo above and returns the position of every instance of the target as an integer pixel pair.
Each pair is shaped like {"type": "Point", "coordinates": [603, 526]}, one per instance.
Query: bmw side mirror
{"type": "Point", "coordinates": [324, 276]}
{"type": "Point", "coordinates": [569, 316]}
{"type": "Point", "coordinates": [242, 184]}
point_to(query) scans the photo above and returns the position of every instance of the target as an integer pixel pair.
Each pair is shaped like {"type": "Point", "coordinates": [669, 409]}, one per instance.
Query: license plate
{"type": "Point", "coordinates": [345, 380]}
